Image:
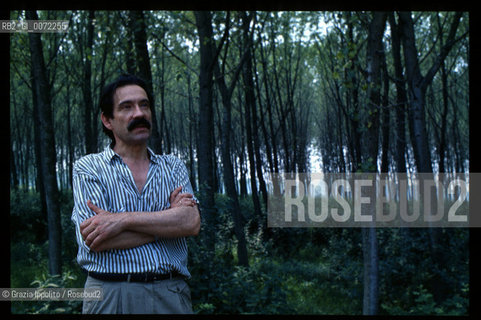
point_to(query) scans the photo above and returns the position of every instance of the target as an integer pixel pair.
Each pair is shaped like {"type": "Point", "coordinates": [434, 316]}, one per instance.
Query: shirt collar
{"type": "Point", "coordinates": [153, 157]}
{"type": "Point", "coordinates": [110, 154]}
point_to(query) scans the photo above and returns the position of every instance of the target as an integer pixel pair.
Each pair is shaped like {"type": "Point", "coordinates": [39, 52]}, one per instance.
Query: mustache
{"type": "Point", "coordinates": [138, 122]}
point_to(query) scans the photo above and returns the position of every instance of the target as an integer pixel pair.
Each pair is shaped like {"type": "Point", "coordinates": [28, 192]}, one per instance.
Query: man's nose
{"type": "Point", "coordinates": [139, 111]}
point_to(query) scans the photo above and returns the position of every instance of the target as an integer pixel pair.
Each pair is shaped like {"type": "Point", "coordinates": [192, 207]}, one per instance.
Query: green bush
{"type": "Point", "coordinates": [67, 280]}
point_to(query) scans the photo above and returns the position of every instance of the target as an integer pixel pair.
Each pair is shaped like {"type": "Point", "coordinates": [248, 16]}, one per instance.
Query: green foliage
{"type": "Point", "coordinates": [407, 263]}
{"type": "Point", "coordinates": [257, 289]}
{"type": "Point", "coordinates": [294, 271]}
{"type": "Point", "coordinates": [67, 280]}
{"type": "Point", "coordinates": [424, 304]}
{"type": "Point", "coordinates": [26, 218]}
{"type": "Point", "coordinates": [28, 252]}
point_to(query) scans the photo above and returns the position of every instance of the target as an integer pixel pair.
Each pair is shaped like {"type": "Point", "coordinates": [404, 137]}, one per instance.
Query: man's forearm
{"type": "Point", "coordinates": [170, 223]}
{"type": "Point", "coordinates": [124, 240]}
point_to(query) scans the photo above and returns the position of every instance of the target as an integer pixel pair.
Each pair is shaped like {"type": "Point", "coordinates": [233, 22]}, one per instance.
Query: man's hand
{"type": "Point", "coordinates": [104, 225]}
{"type": "Point", "coordinates": [178, 199]}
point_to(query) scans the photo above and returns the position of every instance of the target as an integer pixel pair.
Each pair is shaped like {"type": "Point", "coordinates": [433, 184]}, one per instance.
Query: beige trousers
{"type": "Point", "coordinates": [164, 296]}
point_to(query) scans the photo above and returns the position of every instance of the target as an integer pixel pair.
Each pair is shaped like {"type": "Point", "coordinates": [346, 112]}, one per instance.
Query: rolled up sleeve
{"type": "Point", "coordinates": [85, 187]}
{"type": "Point", "coordinates": [181, 178]}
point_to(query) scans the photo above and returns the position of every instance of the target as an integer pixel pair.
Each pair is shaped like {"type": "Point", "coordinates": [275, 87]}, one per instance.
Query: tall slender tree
{"type": "Point", "coordinates": [41, 89]}
{"type": "Point", "coordinates": [418, 84]}
{"type": "Point", "coordinates": [87, 57]}
{"type": "Point", "coordinates": [251, 132]}
{"type": "Point", "coordinates": [401, 96]}
{"type": "Point", "coordinates": [137, 23]}
{"type": "Point", "coordinates": [205, 147]}
{"type": "Point", "coordinates": [369, 235]}
{"type": "Point", "coordinates": [417, 87]}
{"type": "Point", "coordinates": [228, 169]}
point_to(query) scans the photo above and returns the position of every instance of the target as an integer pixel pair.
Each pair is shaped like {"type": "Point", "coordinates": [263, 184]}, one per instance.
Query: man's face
{"type": "Point", "coordinates": [131, 122]}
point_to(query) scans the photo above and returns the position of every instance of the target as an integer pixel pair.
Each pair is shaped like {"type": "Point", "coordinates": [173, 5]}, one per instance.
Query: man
{"type": "Point", "coordinates": [132, 212]}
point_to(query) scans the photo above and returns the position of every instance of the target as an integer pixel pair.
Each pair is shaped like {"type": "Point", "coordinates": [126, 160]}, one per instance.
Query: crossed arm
{"type": "Point", "coordinates": [130, 229]}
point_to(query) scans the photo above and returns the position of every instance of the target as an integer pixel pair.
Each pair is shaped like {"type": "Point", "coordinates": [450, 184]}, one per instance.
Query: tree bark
{"type": "Point", "coordinates": [442, 142]}
{"type": "Point", "coordinates": [228, 170]}
{"type": "Point", "coordinates": [47, 148]}
{"type": "Point", "coordinates": [249, 102]}
{"type": "Point", "coordinates": [418, 84]}
{"type": "Point", "coordinates": [90, 145]}
{"type": "Point", "coordinates": [143, 62]}
{"type": "Point", "coordinates": [268, 89]}
{"type": "Point", "coordinates": [386, 115]}
{"type": "Point", "coordinates": [227, 166]}
{"type": "Point", "coordinates": [14, 182]}
{"type": "Point", "coordinates": [241, 152]}
{"type": "Point", "coordinates": [374, 59]}
{"type": "Point", "coordinates": [370, 248]}
{"type": "Point", "coordinates": [192, 122]}
{"type": "Point", "coordinates": [371, 271]}
{"type": "Point", "coordinates": [129, 49]}
{"type": "Point", "coordinates": [205, 145]}
{"type": "Point", "coordinates": [401, 96]}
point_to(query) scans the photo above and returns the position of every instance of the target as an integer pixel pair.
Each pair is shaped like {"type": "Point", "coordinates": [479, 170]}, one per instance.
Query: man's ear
{"type": "Point", "coordinates": [106, 121]}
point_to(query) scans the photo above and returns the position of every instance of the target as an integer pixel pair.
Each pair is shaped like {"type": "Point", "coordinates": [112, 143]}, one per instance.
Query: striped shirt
{"type": "Point", "coordinates": [107, 181]}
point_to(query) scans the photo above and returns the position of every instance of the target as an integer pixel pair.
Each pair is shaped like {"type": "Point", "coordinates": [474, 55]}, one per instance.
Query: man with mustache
{"type": "Point", "coordinates": [132, 212]}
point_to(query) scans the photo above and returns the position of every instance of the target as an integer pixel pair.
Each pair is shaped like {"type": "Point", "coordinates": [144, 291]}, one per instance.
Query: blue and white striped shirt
{"type": "Point", "coordinates": [107, 181]}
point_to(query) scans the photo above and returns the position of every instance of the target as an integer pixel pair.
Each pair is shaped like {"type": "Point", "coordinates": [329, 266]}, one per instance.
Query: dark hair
{"type": "Point", "coordinates": [106, 103]}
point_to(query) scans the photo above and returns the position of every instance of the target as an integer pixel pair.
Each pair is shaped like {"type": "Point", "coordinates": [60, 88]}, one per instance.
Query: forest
{"type": "Point", "coordinates": [240, 95]}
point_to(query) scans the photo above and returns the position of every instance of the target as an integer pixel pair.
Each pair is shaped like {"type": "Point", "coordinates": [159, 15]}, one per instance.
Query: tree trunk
{"type": "Point", "coordinates": [374, 59]}
{"type": "Point", "coordinates": [418, 85]}
{"type": "Point", "coordinates": [443, 129]}
{"type": "Point", "coordinates": [401, 97]}
{"type": "Point", "coordinates": [370, 249]}
{"type": "Point", "coordinates": [86, 55]}
{"type": "Point", "coordinates": [413, 76]}
{"type": "Point", "coordinates": [386, 111]}
{"type": "Point", "coordinates": [191, 124]}
{"type": "Point", "coordinates": [143, 62]}
{"type": "Point", "coordinates": [129, 49]}
{"type": "Point", "coordinates": [249, 101]}
{"type": "Point", "coordinates": [444, 82]}
{"type": "Point", "coordinates": [13, 169]}
{"type": "Point", "coordinates": [69, 138]}
{"type": "Point", "coordinates": [14, 182]}
{"type": "Point", "coordinates": [241, 152]}
{"type": "Point", "coordinates": [205, 145]}
{"type": "Point", "coordinates": [47, 148]}
{"type": "Point", "coordinates": [370, 300]}
{"type": "Point", "coordinates": [228, 170]}
{"type": "Point", "coordinates": [281, 112]}
{"type": "Point", "coordinates": [268, 88]}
